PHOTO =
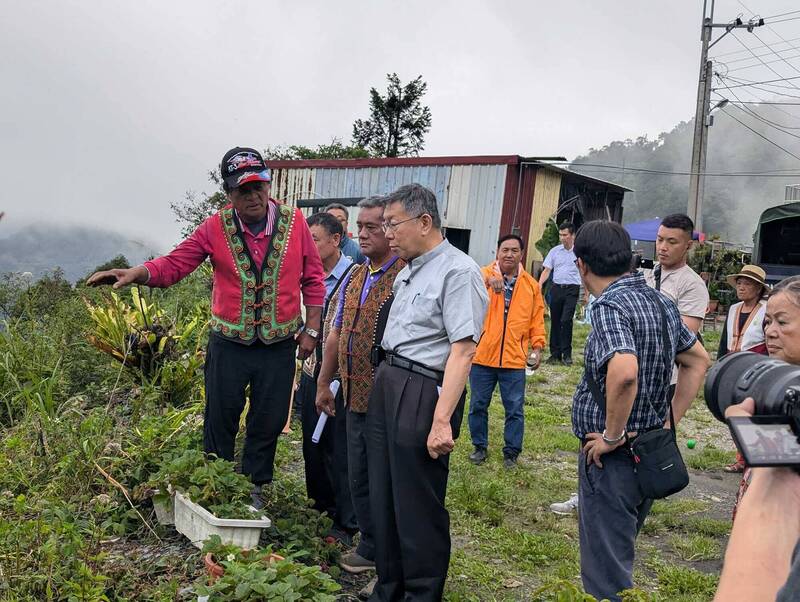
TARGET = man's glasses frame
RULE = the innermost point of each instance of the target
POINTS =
(394, 225)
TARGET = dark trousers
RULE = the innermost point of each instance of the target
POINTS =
(610, 515)
(482, 381)
(359, 481)
(562, 311)
(407, 487)
(229, 369)
(326, 461)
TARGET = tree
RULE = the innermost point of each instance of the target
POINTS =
(194, 209)
(335, 150)
(398, 121)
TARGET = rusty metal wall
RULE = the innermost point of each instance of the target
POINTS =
(545, 204)
(469, 196)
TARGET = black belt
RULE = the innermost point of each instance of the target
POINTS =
(565, 285)
(399, 361)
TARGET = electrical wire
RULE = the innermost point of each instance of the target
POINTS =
(777, 126)
(745, 67)
(761, 60)
(791, 12)
(768, 81)
(762, 102)
(772, 173)
(784, 20)
(732, 52)
(760, 135)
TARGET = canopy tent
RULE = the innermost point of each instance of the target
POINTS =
(776, 246)
(647, 230)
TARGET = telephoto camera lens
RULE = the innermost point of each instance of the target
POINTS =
(774, 384)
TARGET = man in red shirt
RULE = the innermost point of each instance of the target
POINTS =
(263, 257)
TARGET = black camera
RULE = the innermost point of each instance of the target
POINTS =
(772, 436)
(640, 263)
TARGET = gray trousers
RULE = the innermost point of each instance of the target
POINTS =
(359, 481)
(610, 514)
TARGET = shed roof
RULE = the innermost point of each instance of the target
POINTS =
(447, 160)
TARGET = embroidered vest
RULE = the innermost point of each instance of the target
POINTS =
(258, 314)
(313, 363)
(362, 327)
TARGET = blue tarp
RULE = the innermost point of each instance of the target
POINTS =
(646, 230)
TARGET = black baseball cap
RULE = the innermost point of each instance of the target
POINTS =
(241, 165)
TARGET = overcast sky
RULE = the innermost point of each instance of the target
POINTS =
(109, 111)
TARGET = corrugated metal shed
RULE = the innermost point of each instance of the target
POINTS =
(479, 197)
(545, 205)
(470, 196)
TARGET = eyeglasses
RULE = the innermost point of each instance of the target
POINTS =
(393, 225)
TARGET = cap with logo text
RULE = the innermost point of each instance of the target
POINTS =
(242, 165)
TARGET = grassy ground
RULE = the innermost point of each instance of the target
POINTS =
(507, 544)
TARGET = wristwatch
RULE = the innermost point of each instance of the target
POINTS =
(314, 334)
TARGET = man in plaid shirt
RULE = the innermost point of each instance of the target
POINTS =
(624, 356)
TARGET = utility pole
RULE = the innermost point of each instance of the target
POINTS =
(702, 117)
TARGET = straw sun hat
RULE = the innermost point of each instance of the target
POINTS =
(752, 272)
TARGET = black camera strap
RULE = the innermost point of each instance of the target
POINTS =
(599, 396)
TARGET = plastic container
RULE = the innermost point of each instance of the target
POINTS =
(198, 524)
(165, 508)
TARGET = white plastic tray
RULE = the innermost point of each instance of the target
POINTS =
(198, 524)
(165, 509)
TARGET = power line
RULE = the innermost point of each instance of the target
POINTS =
(760, 59)
(763, 102)
(770, 48)
(791, 12)
(734, 70)
(773, 124)
(740, 80)
(768, 122)
(784, 20)
(749, 58)
(773, 92)
(743, 51)
(760, 135)
(772, 173)
(768, 81)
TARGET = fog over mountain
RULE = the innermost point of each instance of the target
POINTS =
(41, 247)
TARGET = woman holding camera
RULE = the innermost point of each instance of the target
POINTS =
(767, 526)
(744, 326)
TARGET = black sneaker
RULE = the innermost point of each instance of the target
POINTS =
(567, 361)
(510, 461)
(553, 360)
(257, 501)
(355, 563)
(478, 457)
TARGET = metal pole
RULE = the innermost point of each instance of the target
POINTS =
(695, 205)
(701, 177)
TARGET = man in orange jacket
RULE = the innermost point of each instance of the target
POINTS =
(513, 336)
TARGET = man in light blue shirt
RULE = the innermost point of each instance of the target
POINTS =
(560, 262)
(347, 245)
(326, 462)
